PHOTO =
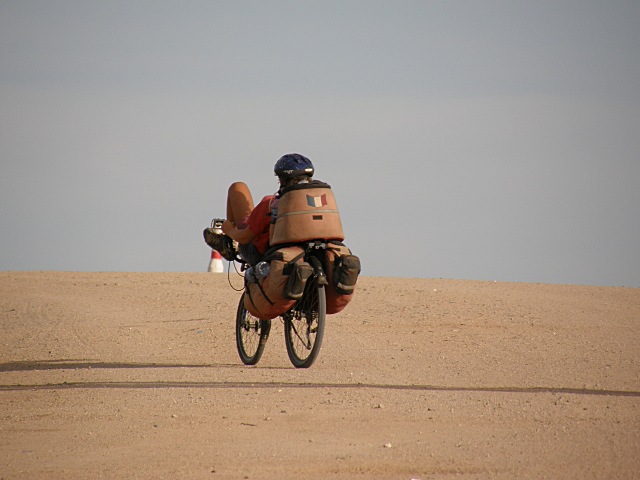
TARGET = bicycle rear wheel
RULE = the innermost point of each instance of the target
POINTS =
(304, 325)
(251, 335)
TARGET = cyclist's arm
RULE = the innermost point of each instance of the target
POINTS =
(240, 235)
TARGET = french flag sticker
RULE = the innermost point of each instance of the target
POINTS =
(320, 201)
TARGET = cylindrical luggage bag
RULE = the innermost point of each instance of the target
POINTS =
(266, 299)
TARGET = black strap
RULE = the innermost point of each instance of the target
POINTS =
(304, 186)
(263, 293)
(287, 270)
(272, 252)
(251, 300)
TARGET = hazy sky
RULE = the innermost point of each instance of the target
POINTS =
(488, 140)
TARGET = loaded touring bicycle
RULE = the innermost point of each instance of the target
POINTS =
(307, 274)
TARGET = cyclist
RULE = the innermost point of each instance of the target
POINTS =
(248, 225)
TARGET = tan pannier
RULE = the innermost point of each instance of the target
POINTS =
(307, 211)
(268, 298)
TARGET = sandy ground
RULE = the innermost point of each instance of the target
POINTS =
(136, 376)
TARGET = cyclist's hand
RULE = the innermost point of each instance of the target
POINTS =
(228, 226)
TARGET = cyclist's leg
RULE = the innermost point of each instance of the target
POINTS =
(250, 253)
(239, 202)
(239, 206)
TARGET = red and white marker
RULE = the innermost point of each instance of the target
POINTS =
(215, 264)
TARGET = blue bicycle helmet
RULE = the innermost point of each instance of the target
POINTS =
(293, 165)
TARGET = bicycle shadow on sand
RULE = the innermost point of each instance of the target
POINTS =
(79, 364)
(72, 364)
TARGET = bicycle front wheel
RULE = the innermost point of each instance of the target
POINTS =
(304, 325)
(251, 335)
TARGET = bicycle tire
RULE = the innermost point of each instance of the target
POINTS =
(304, 325)
(251, 335)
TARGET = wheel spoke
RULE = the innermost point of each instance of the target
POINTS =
(304, 326)
(251, 335)
(306, 342)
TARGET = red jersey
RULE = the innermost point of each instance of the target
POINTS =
(258, 222)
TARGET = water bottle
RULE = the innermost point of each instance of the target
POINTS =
(261, 270)
(249, 275)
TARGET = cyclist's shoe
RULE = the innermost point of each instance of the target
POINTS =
(220, 242)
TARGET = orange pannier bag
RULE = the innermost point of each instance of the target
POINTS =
(342, 269)
(267, 298)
